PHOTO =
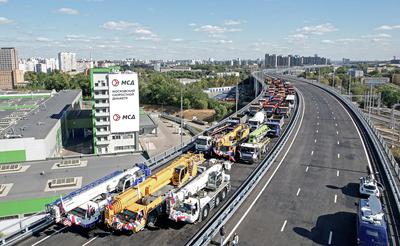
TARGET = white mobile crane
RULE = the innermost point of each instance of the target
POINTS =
(84, 207)
(194, 201)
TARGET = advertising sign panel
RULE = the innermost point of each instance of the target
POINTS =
(124, 102)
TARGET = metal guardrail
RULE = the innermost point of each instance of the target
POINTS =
(26, 230)
(211, 228)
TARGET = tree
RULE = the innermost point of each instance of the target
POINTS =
(390, 95)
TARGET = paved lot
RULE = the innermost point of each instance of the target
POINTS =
(167, 137)
(31, 184)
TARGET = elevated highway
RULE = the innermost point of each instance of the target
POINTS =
(310, 196)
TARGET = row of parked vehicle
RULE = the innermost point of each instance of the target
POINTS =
(187, 188)
(247, 135)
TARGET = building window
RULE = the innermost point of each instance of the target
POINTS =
(127, 136)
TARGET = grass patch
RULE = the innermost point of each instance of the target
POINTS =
(24, 206)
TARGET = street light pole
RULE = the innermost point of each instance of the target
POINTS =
(393, 123)
(181, 131)
(237, 92)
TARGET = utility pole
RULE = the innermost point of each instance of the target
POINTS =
(237, 92)
(181, 131)
(349, 85)
(333, 79)
(319, 75)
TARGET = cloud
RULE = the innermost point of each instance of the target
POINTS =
(327, 41)
(210, 29)
(148, 38)
(177, 40)
(317, 30)
(296, 37)
(387, 27)
(43, 39)
(4, 21)
(233, 22)
(80, 38)
(3, 1)
(68, 11)
(119, 25)
(143, 31)
(379, 35)
(223, 41)
(192, 24)
(347, 40)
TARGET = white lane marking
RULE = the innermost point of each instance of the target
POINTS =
(330, 238)
(332, 112)
(283, 226)
(337, 173)
(315, 140)
(317, 112)
(316, 131)
(312, 152)
(338, 142)
(317, 117)
(91, 240)
(359, 135)
(45, 238)
(338, 156)
(307, 168)
(335, 124)
(317, 123)
(272, 175)
(334, 118)
(298, 192)
(335, 200)
(337, 133)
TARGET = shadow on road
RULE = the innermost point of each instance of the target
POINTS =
(341, 224)
(351, 189)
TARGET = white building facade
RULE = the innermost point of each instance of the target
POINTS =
(115, 110)
(67, 61)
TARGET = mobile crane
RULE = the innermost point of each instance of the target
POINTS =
(193, 202)
(256, 146)
(84, 207)
(226, 145)
(141, 205)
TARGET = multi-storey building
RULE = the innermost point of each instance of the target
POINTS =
(115, 110)
(10, 75)
(67, 61)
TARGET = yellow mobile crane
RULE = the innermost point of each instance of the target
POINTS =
(139, 206)
(226, 145)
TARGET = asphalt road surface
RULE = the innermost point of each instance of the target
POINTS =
(311, 198)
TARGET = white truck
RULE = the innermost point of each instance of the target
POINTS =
(193, 202)
(84, 207)
(256, 146)
(257, 120)
(204, 143)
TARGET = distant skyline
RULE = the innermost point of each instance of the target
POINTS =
(156, 29)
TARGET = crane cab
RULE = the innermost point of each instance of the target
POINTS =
(182, 174)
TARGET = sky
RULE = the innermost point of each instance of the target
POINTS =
(202, 29)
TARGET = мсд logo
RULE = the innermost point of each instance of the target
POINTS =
(115, 82)
(116, 117)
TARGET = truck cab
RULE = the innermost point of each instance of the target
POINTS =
(369, 186)
(130, 180)
(249, 152)
(203, 144)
